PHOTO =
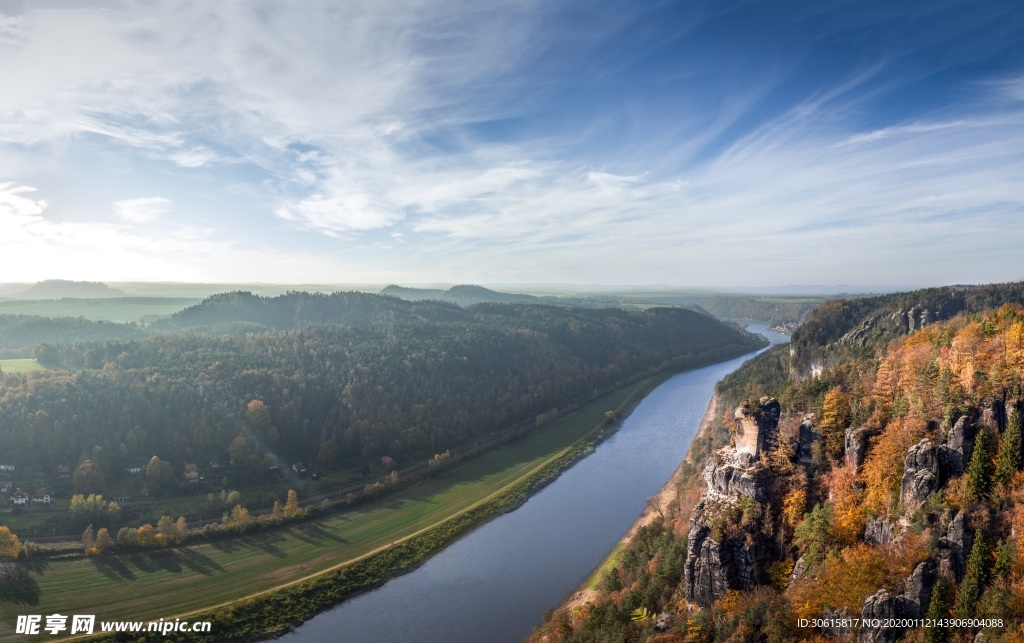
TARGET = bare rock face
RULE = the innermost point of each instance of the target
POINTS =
(799, 570)
(732, 473)
(878, 531)
(959, 445)
(920, 475)
(993, 415)
(837, 618)
(954, 548)
(715, 561)
(807, 437)
(911, 604)
(856, 444)
(714, 567)
(917, 592)
(757, 429)
(882, 606)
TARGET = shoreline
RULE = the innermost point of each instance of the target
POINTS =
(668, 495)
(331, 587)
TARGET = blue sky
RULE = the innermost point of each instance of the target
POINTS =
(684, 143)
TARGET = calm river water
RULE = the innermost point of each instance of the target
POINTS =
(495, 583)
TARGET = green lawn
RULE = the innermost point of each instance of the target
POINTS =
(19, 365)
(167, 583)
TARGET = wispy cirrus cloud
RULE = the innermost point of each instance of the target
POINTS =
(457, 139)
(144, 210)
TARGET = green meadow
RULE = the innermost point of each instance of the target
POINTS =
(19, 365)
(148, 585)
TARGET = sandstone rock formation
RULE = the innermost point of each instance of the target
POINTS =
(878, 531)
(856, 445)
(954, 548)
(757, 429)
(716, 561)
(920, 475)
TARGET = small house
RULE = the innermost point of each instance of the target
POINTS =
(215, 463)
(299, 467)
(63, 472)
(19, 498)
(42, 497)
(387, 461)
(192, 472)
(122, 499)
(135, 469)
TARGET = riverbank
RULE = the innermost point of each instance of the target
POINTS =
(242, 585)
(276, 612)
(676, 497)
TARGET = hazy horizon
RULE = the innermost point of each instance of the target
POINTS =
(714, 145)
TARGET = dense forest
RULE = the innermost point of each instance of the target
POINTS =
(335, 380)
(895, 489)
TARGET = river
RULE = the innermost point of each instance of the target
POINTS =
(495, 583)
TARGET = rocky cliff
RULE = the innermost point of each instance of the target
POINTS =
(726, 547)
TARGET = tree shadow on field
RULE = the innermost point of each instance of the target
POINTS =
(112, 567)
(267, 542)
(174, 561)
(199, 563)
(226, 545)
(314, 534)
(17, 585)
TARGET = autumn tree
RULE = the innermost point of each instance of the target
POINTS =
(159, 474)
(146, 536)
(835, 418)
(103, 541)
(182, 528)
(87, 478)
(10, 546)
(292, 510)
(258, 416)
(167, 529)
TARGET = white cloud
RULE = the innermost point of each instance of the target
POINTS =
(15, 201)
(144, 210)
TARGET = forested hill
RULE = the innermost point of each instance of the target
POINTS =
(842, 329)
(467, 295)
(403, 384)
(244, 311)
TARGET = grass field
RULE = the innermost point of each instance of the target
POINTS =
(19, 365)
(150, 585)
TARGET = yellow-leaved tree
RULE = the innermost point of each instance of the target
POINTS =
(10, 546)
(835, 418)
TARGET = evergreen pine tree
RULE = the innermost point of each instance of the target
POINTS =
(975, 578)
(938, 607)
(1011, 450)
(979, 471)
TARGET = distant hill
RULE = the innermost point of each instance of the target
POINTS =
(465, 295)
(62, 288)
(235, 312)
(843, 329)
(414, 294)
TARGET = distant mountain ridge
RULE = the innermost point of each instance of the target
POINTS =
(463, 295)
(63, 288)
